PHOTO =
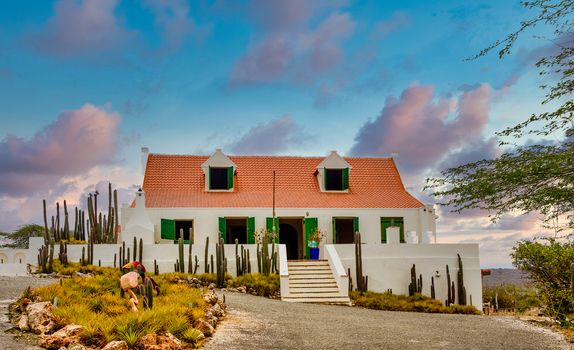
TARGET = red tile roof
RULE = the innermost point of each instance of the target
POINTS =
(178, 181)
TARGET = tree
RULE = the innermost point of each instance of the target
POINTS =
(20, 237)
(527, 178)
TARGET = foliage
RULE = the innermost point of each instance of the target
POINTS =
(265, 235)
(548, 263)
(317, 236)
(415, 303)
(20, 237)
(511, 296)
(535, 177)
(263, 285)
(96, 304)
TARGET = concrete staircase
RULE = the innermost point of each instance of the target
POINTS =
(311, 281)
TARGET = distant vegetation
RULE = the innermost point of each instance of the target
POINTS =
(20, 237)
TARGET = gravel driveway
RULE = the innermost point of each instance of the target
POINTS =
(260, 323)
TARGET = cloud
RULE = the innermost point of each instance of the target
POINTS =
(272, 137)
(172, 18)
(290, 47)
(80, 28)
(472, 152)
(423, 129)
(383, 28)
(77, 141)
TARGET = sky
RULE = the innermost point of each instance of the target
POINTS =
(84, 84)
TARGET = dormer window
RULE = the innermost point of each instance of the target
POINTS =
(336, 179)
(220, 178)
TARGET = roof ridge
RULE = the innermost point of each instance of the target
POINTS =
(269, 156)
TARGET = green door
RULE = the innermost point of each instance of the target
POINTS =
(251, 230)
(168, 229)
(269, 226)
(310, 226)
(223, 229)
(389, 222)
(356, 224)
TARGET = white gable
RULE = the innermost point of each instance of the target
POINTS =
(218, 160)
(334, 161)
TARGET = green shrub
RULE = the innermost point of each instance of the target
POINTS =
(512, 296)
(415, 303)
(263, 285)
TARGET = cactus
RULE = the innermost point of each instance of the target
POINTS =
(176, 266)
(432, 290)
(350, 280)
(189, 256)
(46, 232)
(129, 256)
(206, 254)
(125, 259)
(460, 283)
(140, 251)
(135, 248)
(115, 257)
(148, 300)
(450, 295)
(211, 266)
(63, 254)
(155, 268)
(248, 263)
(121, 258)
(83, 261)
(221, 263)
(196, 265)
(361, 280)
(66, 224)
(180, 246)
(413, 286)
(259, 269)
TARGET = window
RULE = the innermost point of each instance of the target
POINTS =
(242, 229)
(336, 179)
(220, 178)
(171, 229)
(387, 222)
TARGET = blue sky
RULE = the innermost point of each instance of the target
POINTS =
(90, 82)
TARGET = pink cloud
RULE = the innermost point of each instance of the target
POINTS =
(80, 28)
(423, 129)
(286, 132)
(77, 141)
(291, 47)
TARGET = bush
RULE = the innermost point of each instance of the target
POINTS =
(415, 303)
(511, 296)
(263, 285)
(548, 263)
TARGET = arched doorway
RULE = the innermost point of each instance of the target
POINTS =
(290, 237)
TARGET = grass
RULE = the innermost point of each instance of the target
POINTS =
(416, 303)
(96, 304)
(263, 285)
(513, 297)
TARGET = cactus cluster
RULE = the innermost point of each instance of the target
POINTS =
(46, 257)
(460, 283)
(146, 291)
(242, 262)
(267, 261)
(362, 281)
(63, 254)
(416, 285)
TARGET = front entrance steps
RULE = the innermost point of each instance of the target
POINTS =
(311, 281)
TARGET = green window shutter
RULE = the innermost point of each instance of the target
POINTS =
(230, 177)
(346, 178)
(223, 229)
(251, 230)
(356, 224)
(385, 223)
(388, 222)
(269, 226)
(310, 226)
(400, 223)
(325, 179)
(334, 231)
(209, 177)
(167, 229)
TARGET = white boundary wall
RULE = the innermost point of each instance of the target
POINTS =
(13, 262)
(388, 267)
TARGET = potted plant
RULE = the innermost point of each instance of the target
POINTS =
(315, 239)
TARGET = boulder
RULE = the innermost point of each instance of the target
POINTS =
(78, 346)
(242, 289)
(148, 339)
(210, 298)
(23, 323)
(62, 338)
(40, 317)
(217, 311)
(116, 345)
(211, 286)
(204, 327)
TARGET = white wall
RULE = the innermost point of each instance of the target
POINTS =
(388, 267)
(13, 262)
(206, 219)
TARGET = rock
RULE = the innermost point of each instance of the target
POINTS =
(204, 327)
(166, 342)
(23, 323)
(211, 286)
(40, 317)
(116, 345)
(242, 289)
(217, 311)
(64, 337)
(210, 298)
(148, 339)
(174, 340)
(78, 346)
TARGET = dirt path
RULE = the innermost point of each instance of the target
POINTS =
(255, 322)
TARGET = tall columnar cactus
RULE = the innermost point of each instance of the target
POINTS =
(115, 258)
(180, 246)
(135, 247)
(432, 290)
(450, 294)
(155, 268)
(66, 234)
(206, 262)
(84, 262)
(361, 280)
(259, 267)
(211, 266)
(148, 299)
(46, 232)
(196, 265)
(460, 283)
(124, 256)
(63, 254)
(140, 251)
(120, 258)
(221, 263)
(238, 271)
(189, 258)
